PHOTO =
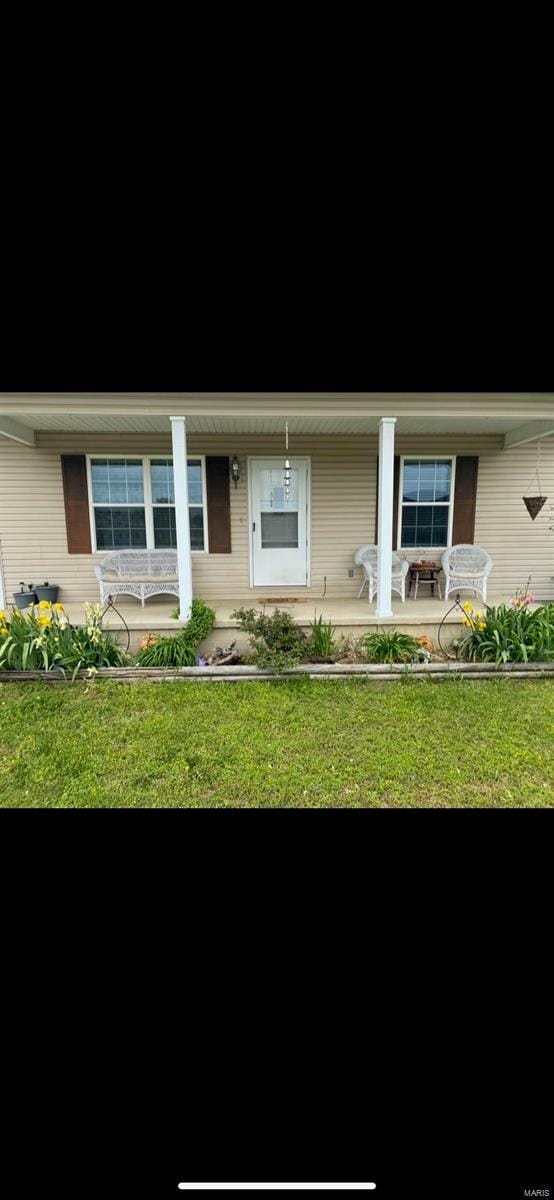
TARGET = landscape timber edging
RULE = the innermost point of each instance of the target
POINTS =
(234, 674)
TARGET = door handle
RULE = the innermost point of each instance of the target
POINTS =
(253, 527)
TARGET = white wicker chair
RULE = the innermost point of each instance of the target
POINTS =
(466, 568)
(358, 560)
(140, 573)
(367, 557)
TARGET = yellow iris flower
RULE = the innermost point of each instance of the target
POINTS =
(475, 620)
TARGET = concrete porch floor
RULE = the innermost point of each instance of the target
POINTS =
(350, 616)
(353, 611)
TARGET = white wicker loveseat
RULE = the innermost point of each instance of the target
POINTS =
(140, 573)
(466, 569)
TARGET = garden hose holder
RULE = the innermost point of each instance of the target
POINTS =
(457, 604)
(110, 605)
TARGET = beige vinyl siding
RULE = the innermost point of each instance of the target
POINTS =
(343, 480)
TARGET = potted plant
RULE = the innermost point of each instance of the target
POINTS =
(48, 591)
(24, 598)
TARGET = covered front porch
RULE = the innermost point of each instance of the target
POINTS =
(353, 453)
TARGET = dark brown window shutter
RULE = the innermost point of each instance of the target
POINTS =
(465, 495)
(77, 512)
(219, 504)
(396, 490)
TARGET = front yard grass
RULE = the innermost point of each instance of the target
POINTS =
(298, 743)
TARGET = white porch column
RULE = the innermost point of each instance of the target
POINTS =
(384, 527)
(180, 476)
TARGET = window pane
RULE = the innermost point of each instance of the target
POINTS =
(120, 528)
(133, 470)
(194, 476)
(411, 481)
(272, 490)
(279, 530)
(135, 493)
(439, 532)
(118, 493)
(165, 536)
(165, 533)
(120, 518)
(117, 481)
(116, 469)
(101, 492)
(408, 536)
(163, 490)
(425, 525)
(426, 480)
(443, 480)
(99, 468)
(196, 528)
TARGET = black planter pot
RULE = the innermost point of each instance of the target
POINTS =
(24, 599)
(49, 593)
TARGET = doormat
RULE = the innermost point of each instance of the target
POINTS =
(284, 600)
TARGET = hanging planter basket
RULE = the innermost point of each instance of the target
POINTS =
(534, 504)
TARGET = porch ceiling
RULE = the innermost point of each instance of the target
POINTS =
(72, 422)
(519, 417)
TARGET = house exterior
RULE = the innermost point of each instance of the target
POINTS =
(83, 474)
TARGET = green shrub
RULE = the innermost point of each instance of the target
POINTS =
(322, 638)
(166, 652)
(200, 623)
(509, 634)
(276, 640)
(392, 647)
(180, 650)
(41, 638)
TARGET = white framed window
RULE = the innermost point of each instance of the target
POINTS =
(426, 502)
(132, 502)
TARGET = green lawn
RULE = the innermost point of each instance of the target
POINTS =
(324, 744)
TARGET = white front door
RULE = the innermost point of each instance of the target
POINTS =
(279, 526)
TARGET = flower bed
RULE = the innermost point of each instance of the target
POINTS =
(40, 642)
(512, 633)
(41, 637)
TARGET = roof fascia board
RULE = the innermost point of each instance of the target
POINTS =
(528, 406)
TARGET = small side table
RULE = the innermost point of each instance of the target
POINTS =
(424, 574)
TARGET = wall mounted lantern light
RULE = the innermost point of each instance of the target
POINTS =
(235, 470)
